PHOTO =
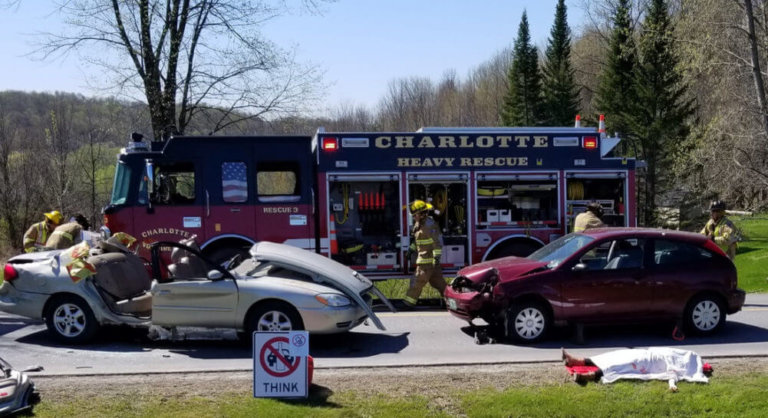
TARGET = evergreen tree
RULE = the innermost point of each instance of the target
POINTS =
(659, 116)
(561, 97)
(615, 91)
(522, 104)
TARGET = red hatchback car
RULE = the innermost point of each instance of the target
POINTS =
(602, 276)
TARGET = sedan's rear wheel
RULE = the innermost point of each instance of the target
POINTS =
(71, 320)
(274, 316)
(705, 315)
(527, 322)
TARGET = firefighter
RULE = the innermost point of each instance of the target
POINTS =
(37, 234)
(428, 245)
(68, 234)
(589, 219)
(721, 230)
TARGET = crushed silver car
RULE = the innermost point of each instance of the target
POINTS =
(277, 288)
(17, 392)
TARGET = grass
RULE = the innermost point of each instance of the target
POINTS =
(742, 396)
(752, 256)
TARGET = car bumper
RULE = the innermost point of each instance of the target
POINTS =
(736, 300)
(465, 305)
(25, 304)
(329, 320)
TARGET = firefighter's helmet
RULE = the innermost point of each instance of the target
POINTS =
(717, 205)
(595, 208)
(419, 206)
(54, 216)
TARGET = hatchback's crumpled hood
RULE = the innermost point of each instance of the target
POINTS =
(509, 268)
(352, 283)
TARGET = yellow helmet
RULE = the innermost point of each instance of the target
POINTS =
(420, 206)
(54, 216)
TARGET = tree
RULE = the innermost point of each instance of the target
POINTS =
(615, 91)
(659, 116)
(561, 96)
(522, 104)
(189, 58)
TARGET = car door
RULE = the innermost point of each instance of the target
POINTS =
(607, 284)
(192, 299)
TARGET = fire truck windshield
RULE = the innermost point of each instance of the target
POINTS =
(122, 184)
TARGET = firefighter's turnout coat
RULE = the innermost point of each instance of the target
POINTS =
(586, 220)
(36, 236)
(65, 236)
(726, 235)
(428, 243)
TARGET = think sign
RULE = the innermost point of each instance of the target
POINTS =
(280, 364)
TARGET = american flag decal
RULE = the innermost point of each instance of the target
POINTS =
(234, 183)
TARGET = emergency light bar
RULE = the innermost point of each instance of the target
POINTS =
(330, 144)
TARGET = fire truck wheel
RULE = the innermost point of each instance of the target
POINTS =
(69, 319)
(273, 316)
(223, 255)
(519, 249)
(527, 322)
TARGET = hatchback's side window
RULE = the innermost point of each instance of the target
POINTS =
(626, 254)
(670, 253)
(234, 182)
(597, 257)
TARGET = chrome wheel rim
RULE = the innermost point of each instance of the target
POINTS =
(529, 323)
(706, 315)
(274, 321)
(69, 320)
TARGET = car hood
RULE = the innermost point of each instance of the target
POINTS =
(507, 268)
(325, 270)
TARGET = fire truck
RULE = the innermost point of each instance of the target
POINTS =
(495, 191)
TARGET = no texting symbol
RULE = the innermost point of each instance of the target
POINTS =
(277, 361)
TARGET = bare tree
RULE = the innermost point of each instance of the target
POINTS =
(189, 58)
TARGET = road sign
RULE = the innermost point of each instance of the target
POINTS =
(280, 364)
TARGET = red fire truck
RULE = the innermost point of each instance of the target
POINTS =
(496, 191)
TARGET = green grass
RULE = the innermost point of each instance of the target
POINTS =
(742, 396)
(752, 256)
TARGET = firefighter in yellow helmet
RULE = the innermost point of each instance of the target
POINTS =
(428, 245)
(589, 219)
(68, 234)
(38, 234)
(721, 230)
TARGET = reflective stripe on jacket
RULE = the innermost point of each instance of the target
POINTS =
(36, 236)
(429, 242)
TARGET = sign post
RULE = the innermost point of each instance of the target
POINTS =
(280, 364)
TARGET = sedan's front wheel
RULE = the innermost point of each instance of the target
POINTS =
(527, 322)
(274, 316)
(71, 320)
(704, 315)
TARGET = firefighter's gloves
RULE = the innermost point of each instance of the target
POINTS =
(437, 260)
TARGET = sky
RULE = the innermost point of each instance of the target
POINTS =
(360, 45)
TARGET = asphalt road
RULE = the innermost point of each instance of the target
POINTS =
(428, 337)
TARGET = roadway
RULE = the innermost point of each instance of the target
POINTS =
(428, 337)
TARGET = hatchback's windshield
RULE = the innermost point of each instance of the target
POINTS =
(560, 249)
(121, 185)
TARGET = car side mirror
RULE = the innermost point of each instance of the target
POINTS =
(215, 275)
(579, 267)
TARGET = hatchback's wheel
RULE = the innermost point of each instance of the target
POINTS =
(527, 322)
(704, 315)
(274, 316)
(71, 320)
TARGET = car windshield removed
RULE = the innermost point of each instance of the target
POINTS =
(560, 249)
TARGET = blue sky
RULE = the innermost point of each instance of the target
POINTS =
(361, 45)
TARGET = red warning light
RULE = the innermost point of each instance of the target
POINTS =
(330, 144)
(590, 142)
